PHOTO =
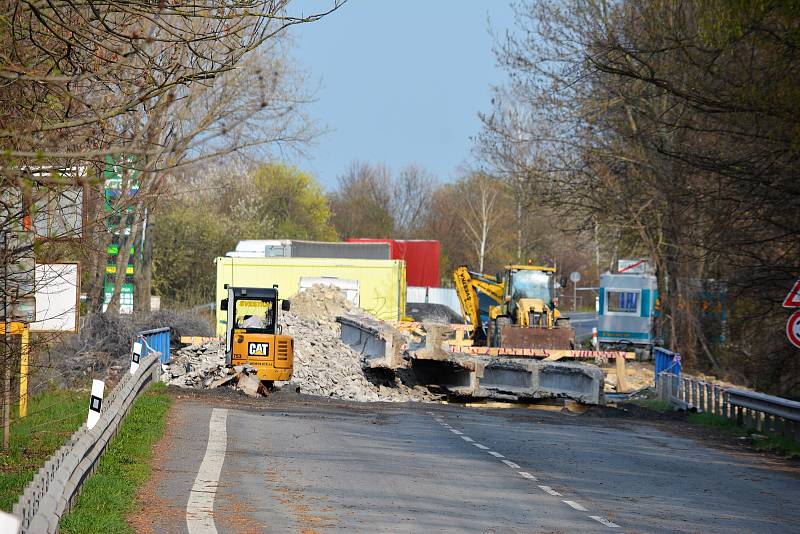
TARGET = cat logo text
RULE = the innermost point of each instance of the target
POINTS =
(258, 349)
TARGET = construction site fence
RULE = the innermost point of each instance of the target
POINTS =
(751, 410)
(55, 488)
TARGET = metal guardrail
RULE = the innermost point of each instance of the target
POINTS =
(55, 487)
(765, 404)
(749, 409)
(156, 340)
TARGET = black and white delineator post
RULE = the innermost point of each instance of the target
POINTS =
(136, 355)
(95, 402)
(9, 523)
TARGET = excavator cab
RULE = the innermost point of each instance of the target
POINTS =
(253, 335)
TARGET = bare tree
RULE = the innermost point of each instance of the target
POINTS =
(666, 124)
(482, 198)
(411, 200)
(362, 203)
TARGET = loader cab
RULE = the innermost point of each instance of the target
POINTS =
(532, 285)
(253, 333)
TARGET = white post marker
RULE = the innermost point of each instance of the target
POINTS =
(594, 337)
(136, 355)
(9, 523)
(95, 402)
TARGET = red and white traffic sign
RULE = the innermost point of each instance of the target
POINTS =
(792, 300)
(793, 329)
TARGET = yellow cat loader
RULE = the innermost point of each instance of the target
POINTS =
(253, 335)
(526, 312)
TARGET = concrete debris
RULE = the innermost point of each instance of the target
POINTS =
(321, 303)
(325, 366)
(203, 367)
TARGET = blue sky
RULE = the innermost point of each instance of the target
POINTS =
(400, 82)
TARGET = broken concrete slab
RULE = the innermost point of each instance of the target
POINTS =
(475, 375)
(379, 344)
(249, 384)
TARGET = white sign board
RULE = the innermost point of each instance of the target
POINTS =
(57, 297)
(634, 266)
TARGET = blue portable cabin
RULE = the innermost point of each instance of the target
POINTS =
(627, 308)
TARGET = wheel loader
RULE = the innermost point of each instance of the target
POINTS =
(525, 311)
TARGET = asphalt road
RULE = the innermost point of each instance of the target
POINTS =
(295, 464)
(582, 322)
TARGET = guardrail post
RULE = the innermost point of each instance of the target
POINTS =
(701, 396)
(726, 405)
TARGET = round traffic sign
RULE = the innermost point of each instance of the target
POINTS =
(575, 276)
(793, 329)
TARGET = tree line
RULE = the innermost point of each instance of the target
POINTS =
(475, 218)
(672, 128)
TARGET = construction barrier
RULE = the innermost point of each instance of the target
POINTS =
(666, 362)
(156, 340)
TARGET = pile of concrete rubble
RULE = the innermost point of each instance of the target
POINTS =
(323, 365)
(203, 367)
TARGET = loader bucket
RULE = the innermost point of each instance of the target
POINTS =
(537, 337)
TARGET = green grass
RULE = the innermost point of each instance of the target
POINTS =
(52, 418)
(777, 444)
(109, 495)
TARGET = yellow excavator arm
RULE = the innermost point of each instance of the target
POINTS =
(466, 283)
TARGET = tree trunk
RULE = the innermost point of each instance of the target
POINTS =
(143, 266)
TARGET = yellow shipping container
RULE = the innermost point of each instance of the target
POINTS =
(382, 283)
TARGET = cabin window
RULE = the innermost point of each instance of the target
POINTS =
(621, 301)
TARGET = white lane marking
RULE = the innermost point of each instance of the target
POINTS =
(200, 508)
(577, 506)
(604, 521)
(551, 491)
(524, 474)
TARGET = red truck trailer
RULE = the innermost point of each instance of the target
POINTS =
(421, 257)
